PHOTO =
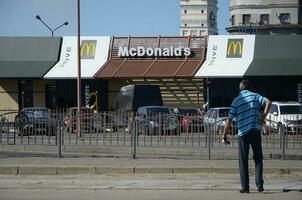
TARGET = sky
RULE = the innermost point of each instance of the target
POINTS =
(98, 17)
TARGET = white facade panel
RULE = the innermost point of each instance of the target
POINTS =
(94, 54)
(225, 59)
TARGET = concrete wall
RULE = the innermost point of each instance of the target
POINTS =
(9, 95)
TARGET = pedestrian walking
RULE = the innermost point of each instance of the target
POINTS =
(245, 110)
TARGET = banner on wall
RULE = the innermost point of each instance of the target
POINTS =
(228, 56)
(91, 98)
(94, 54)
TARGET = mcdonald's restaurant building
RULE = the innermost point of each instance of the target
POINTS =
(42, 71)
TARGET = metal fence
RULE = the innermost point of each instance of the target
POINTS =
(157, 135)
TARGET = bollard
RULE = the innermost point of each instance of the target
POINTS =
(59, 139)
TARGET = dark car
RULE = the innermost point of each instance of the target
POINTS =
(153, 120)
(35, 120)
(191, 120)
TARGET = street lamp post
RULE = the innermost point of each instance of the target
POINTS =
(51, 30)
(79, 70)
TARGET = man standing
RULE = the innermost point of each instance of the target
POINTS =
(245, 110)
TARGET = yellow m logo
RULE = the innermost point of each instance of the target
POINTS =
(235, 47)
(88, 49)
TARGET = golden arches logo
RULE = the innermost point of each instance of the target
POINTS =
(235, 48)
(88, 49)
(93, 106)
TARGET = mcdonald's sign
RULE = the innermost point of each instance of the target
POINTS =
(88, 49)
(234, 48)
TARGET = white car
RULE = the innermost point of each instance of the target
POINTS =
(288, 114)
(215, 118)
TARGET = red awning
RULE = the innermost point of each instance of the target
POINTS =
(154, 67)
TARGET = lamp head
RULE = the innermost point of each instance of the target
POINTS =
(38, 17)
(66, 23)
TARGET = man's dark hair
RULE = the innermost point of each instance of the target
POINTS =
(244, 85)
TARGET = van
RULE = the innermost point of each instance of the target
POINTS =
(131, 97)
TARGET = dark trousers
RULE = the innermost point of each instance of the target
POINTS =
(252, 138)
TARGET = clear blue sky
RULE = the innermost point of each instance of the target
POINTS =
(98, 17)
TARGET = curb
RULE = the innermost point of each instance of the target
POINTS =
(38, 170)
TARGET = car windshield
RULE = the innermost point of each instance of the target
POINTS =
(224, 112)
(188, 111)
(158, 110)
(287, 110)
(39, 113)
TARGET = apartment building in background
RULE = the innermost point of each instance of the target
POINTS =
(198, 17)
(265, 17)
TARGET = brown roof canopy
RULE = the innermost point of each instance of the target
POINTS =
(154, 67)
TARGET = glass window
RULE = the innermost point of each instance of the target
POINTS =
(224, 112)
(246, 19)
(273, 109)
(213, 114)
(284, 18)
(233, 20)
(287, 110)
(202, 11)
(185, 32)
(185, 11)
(194, 32)
(264, 19)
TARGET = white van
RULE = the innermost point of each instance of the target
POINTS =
(287, 113)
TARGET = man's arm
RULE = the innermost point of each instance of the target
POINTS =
(226, 128)
(266, 110)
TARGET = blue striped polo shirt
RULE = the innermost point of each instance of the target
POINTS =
(245, 108)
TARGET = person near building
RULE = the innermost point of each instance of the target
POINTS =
(245, 110)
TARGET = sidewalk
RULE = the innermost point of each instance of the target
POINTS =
(106, 166)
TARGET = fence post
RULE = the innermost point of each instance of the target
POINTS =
(209, 142)
(133, 137)
(59, 138)
(283, 141)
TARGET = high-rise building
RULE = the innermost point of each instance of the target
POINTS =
(265, 17)
(198, 17)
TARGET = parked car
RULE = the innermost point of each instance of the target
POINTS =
(35, 120)
(215, 119)
(288, 114)
(190, 119)
(4, 124)
(90, 121)
(155, 120)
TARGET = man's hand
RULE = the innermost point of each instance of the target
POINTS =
(225, 140)
(224, 133)
(262, 117)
